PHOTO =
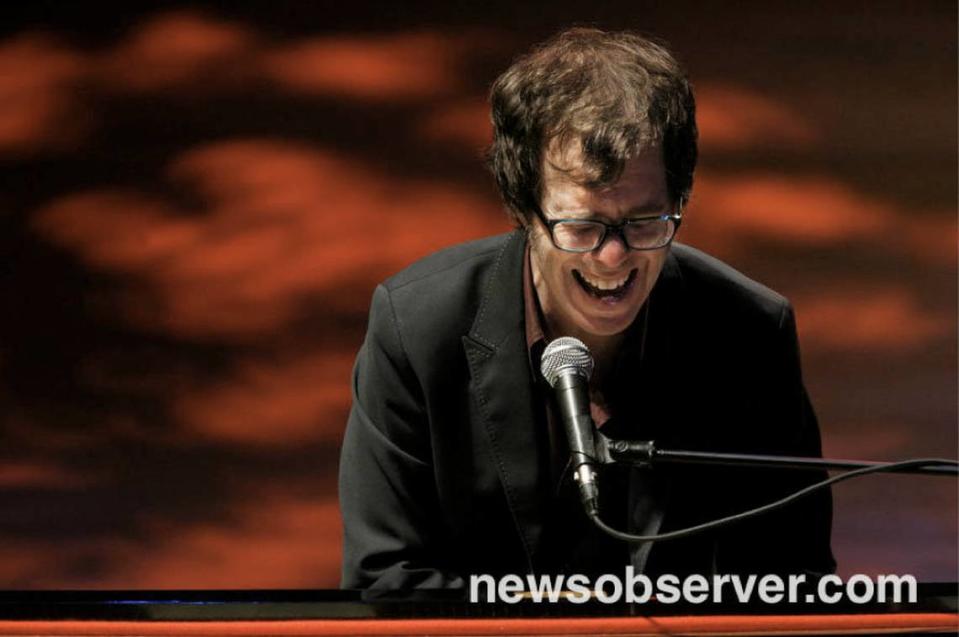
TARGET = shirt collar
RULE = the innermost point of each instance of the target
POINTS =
(535, 335)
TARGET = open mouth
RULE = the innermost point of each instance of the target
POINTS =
(605, 289)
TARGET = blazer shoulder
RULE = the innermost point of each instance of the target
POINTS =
(449, 263)
(435, 300)
(724, 287)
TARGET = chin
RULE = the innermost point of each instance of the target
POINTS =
(607, 326)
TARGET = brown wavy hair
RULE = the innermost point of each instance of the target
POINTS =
(616, 94)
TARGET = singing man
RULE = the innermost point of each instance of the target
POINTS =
(454, 462)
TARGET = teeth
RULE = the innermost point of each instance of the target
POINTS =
(606, 285)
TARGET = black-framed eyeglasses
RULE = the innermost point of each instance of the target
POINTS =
(582, 235)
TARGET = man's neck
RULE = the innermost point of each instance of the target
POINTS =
(602, 348)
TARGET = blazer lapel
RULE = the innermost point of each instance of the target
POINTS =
(502, 390)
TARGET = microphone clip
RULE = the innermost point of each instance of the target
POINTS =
(636, 452)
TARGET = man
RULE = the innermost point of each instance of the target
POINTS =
(453, 463)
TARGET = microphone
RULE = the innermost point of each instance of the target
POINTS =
(566, 366)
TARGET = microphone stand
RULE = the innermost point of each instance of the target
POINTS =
(645, 453)
(610, 451)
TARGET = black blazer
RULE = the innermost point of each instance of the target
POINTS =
(442, 468)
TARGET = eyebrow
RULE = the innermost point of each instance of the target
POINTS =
(648, 209)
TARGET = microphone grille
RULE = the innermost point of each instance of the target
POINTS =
(566, 353)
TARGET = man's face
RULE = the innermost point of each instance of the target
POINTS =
(567, 283)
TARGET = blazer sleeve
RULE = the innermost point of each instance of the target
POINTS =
(813, 517)
(794, 539)
(392, 525)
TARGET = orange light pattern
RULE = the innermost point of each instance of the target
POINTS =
(282, 222)
(884, 440)
(200, 318)
(887, 320)
(269, 541)
(281, 403)
(41, 474)
(802, 210)
(38, 106)
(465, 123)
(174, 50)
(404, 66)
(733, 118)
(726, 213)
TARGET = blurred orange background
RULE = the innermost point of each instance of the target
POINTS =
(198, 200)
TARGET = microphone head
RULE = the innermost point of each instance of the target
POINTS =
(566, 354)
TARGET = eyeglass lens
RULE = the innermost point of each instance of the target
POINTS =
(586, 235)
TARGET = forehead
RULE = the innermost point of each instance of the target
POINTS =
(642, 184)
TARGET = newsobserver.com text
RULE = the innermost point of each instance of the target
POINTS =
(636, 588)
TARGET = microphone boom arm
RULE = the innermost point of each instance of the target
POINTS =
(644, 453)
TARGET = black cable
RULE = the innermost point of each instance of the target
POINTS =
(905, 464)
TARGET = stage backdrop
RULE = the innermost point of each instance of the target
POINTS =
(198, 200)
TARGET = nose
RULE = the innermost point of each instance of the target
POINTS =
(613, 251)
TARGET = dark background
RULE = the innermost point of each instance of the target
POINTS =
(196, 201)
